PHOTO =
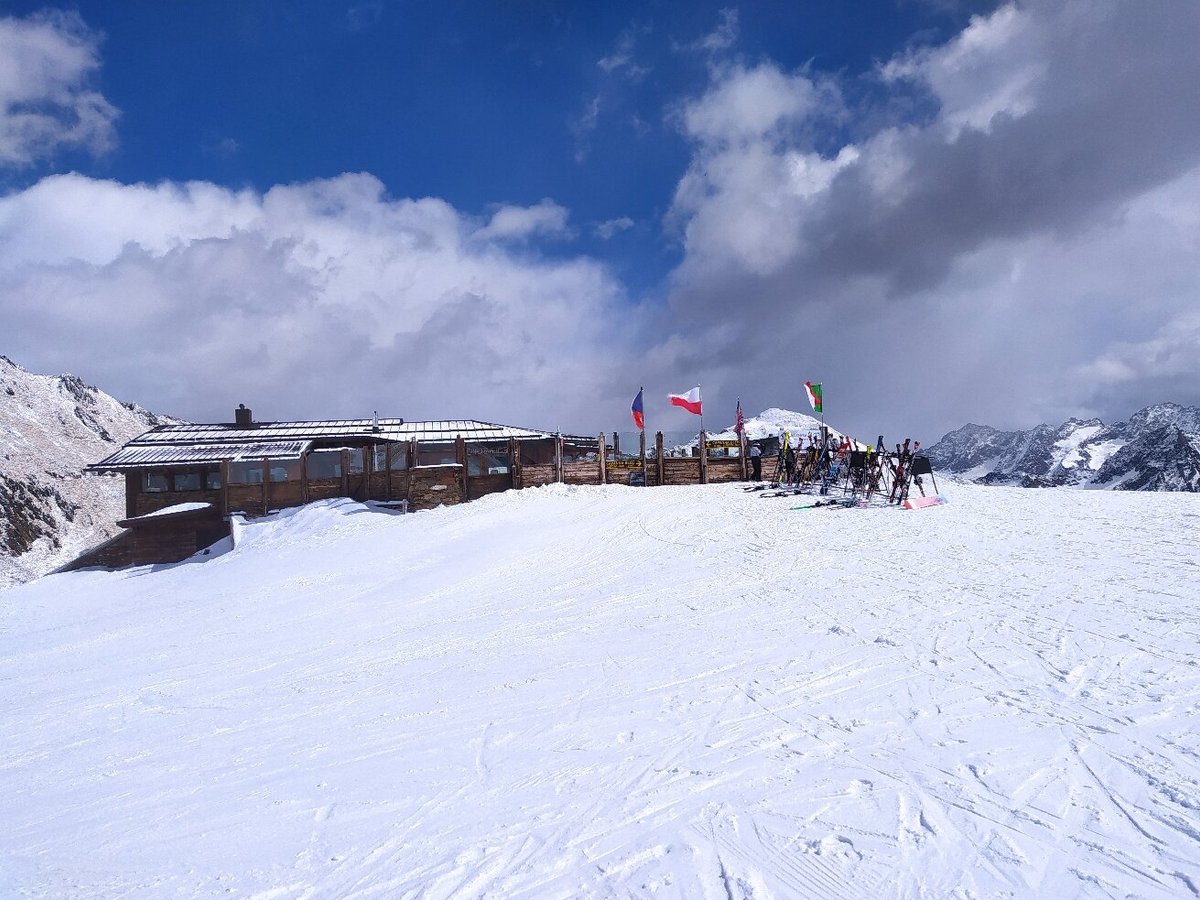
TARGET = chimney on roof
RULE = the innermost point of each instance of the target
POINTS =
(242, 417)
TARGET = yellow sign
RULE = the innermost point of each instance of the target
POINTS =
(623, 463)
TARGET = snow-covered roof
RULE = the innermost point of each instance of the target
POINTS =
(135, 455)
(184, 444)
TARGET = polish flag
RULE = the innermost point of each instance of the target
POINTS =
(689, 401)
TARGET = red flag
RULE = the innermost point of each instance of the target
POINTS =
(689, 401)
(740, 424)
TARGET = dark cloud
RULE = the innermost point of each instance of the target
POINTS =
(896, 275)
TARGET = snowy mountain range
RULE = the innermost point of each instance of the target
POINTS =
(50, 428)
(1158, 449)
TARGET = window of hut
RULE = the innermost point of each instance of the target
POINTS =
(573, 452)
(354, 461)
(285, 470)
(156, 483)
(212, 481)
(245, 473)
(437, 456)
(399, 457)
(487, 461)
(187, 481)
(324, 464)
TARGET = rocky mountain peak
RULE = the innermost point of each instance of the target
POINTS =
(50, 428)
(1158, 449)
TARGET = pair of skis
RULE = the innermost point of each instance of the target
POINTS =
(832, 503)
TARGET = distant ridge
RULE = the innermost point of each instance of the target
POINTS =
(1158, 449)
(50, 428)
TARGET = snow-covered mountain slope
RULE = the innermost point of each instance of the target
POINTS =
(1158, 449)
(620, 692)
(774, 422)
(50, 428)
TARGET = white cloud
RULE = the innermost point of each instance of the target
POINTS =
(514, 223)
(622, 60)
(320, 299)
(744, 195)
(584, 126)
(750, 104)
(46, 64)
(723, 36)
(994, 67)
(613, 227)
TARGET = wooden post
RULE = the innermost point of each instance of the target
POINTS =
(603, 459)
(616, 444)
(703, 458)
(742, 454)
(266, 488)
(413, 455)
(642, 454)
(388, 449)
(304, 477)
(225, 488)
(345, 455)
(460, 454)
(658, 450)
(558, 458)
(368, 469)
(514, 463)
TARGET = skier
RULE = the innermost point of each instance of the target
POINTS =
(756, 461)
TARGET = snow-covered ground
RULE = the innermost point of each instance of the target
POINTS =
(610, 691)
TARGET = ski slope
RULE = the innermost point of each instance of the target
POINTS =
(605, 691)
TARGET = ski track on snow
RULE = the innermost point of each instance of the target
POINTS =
(594, 692)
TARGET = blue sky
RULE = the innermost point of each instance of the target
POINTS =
(523, 211)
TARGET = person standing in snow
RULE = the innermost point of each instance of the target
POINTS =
(756, 461)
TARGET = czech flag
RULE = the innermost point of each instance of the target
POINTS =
(689, 401)
(638, 418)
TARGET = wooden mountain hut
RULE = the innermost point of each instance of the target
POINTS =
(183, 481)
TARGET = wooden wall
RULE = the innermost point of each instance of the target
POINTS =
(536, 475)
(436, 486)
(172, 541)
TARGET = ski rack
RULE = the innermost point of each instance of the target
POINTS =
(867, 477)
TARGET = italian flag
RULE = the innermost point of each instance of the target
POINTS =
(814, 395)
